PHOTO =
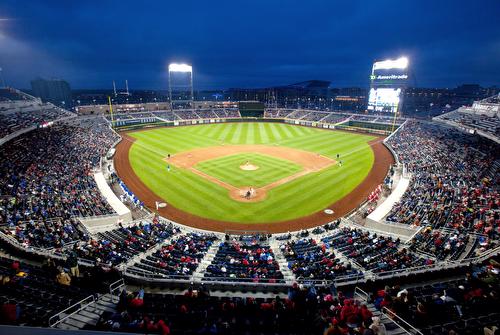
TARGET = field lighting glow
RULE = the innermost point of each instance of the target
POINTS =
(174, 67)
(400, 63)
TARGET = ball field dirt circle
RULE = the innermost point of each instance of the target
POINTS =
(249, 167)
(278, 188)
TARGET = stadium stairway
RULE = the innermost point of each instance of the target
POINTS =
(282, 262)
(469, 248)
(206, 261)
(89, 316)
(392, 327)
(143, 255)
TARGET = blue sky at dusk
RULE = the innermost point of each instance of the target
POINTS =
(247, 43)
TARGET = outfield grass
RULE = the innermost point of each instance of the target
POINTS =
(228, 170)
(302, 196)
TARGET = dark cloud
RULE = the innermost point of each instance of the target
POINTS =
(247, 43)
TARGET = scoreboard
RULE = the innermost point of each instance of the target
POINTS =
(387, 81)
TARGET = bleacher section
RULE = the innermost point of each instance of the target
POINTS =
(236, 261)
(482, 117)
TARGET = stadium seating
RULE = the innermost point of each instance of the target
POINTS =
(453, 178)
(309, 260)
(464, 306)
(236, 261)
(30, 295)
(24, 114)
(46, 173)
(119, 245)
(177, 258)
(373, 252)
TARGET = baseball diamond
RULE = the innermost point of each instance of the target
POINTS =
(301, 171)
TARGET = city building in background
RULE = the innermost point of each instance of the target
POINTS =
(57, 91)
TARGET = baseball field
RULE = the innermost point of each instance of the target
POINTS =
(247, 173)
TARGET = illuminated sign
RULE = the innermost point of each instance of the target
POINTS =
(400, 63)
(174, 67)
(390, 77)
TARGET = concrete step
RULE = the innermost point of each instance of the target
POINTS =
(66, 327)
(73, 321)
(89, 312)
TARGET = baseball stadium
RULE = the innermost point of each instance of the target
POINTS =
(283, 209)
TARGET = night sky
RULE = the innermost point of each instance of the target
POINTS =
(247, 43)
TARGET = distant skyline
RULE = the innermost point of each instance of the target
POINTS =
(247, 44)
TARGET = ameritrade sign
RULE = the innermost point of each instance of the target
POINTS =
(389, 77)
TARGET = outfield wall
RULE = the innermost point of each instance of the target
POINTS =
(364, 127)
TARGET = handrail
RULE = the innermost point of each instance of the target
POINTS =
(116, 286)
(158, 277)
(362, 294)
(390, 315)
(56, 319)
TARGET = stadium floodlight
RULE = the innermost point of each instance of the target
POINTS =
(174, 67)
(175, 87)
(400, 63)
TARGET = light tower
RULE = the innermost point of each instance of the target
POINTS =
(180, 84)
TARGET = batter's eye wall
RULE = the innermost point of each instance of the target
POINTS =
(251, 109)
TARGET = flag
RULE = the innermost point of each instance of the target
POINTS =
(160, 204)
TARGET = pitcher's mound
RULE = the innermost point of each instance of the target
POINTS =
(249, 167)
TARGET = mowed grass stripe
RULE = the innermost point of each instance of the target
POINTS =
(236, 133)
(256, 133)
(225, 132)
(286, 130)
(263, 133)
(274, 135)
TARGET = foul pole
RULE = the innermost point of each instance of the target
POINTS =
(111, 112)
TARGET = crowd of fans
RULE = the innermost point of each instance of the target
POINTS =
(442, 245)
(119, 245)
(235, 260)
(46, 233)
(372, 251)
(33, 114)
(47, 173)
(179, 258)
(461, 306)
(455, 179)
(30, 295)
(309, 259)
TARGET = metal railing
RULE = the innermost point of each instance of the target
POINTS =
(115, 287)
(144, 275)
(400, 322)
(71, 310)
(362, 295)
